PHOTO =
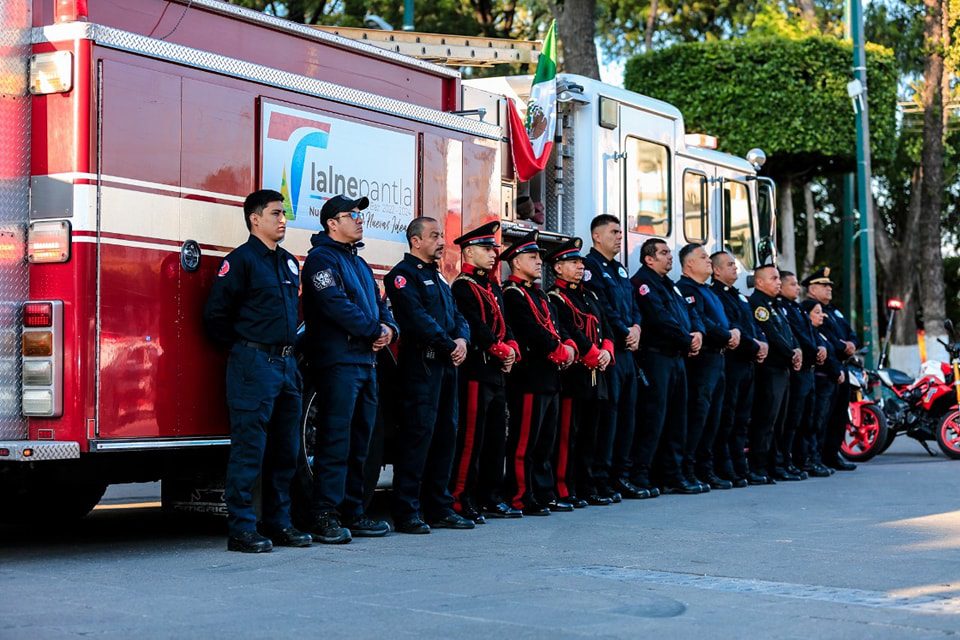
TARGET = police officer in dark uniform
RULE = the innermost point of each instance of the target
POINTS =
(772, 384)
(730, 461)
(705, 371)
(346, 323)
(481, 439)
(534, 383)
(435, 343)
(583, 387)
(668, 337)
(608, 279)
(828, 378)
(801, 382)
(836, 329)
(252, 308)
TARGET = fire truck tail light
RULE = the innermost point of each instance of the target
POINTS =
(38, 344)
(37, 402)
(37, 314)
(70, 10)
(37, 373)
(48, 241)
(51, 72)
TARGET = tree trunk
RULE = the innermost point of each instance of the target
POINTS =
(576, 30)
(810, 254)
(788, 239)
(932, 289)
(651, 26)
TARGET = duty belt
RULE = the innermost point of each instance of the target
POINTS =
(272, 349)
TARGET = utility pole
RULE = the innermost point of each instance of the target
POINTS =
(408, 15)
(868, 269)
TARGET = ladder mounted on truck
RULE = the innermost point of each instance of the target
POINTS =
(452, 51)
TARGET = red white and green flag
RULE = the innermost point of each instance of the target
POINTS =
(532, 139)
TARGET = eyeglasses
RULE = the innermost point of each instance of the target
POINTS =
(356, 216)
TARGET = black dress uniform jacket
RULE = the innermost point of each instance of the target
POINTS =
(609, 281)
(535, 327)
(580, 315)
(480, 300)
(769, 316)
(716, 330)
(836, 329)
(740, 316)
(424, 308)
(666, 316)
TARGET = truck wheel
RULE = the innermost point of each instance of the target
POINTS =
(863, 441)
(948, 434)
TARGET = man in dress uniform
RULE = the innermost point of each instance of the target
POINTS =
(705, 371)
(730, 461)
(772, 384)
(433, 346)
(582, 386)
(481, 439)
(608, 279)
(801, 382)
(534, 383)
(252, 309)
(668, 337)
(836, 329)
(346, 322)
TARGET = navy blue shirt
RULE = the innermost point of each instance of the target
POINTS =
(609, 281)
(740, 315)
(666, 315)
(769, 316)
(716, 327)
(254, 296)
(802, 329)
(836, 329)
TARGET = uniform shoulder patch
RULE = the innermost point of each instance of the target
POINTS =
(292, 265)
(622, 272)
(323, 279)
(643, 290)
(399, 282)
(762, 314)
(587, 275)
(690, 300)
(224, 269)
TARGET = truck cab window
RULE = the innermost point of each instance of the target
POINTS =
(738, 235)
(647, 187)
(694, 207)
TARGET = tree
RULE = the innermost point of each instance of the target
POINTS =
(576, 29)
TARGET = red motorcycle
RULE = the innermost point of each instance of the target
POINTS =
(924, 408)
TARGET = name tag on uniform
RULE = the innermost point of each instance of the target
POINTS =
(428, 282)
(677, 291)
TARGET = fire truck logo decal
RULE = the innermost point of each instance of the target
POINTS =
(399, 282)
(224, 269)
(282, 127)
(292, 265)
(644, 290)
(323, 279)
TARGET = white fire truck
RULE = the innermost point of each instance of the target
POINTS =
(134, 130)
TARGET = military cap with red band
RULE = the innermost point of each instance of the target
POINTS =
(484, 235)
(526, 244)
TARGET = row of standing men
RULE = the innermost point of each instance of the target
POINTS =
(517, 401)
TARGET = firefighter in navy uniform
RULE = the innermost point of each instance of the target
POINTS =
(668, 337)
(844, 340)
(790, 444)
(607, 278)
(534, 383)
(478, 465)
(252, 309)
(729, 459)
(772, 384)
(434, 344)
(705, 372)
(828, 378)
(583, 387)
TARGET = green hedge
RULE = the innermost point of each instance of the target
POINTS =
(786, 96)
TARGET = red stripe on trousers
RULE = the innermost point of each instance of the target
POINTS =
(566, 410)
(473, 389)
(519, 462)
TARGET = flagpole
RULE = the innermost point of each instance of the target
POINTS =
(558, 169)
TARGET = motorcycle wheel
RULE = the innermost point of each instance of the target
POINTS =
(948, 434)
(863, 441)
(891, 436)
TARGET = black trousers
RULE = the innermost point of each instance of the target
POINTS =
(426, 438)
(659, 442)
(791, 447)
(705, 383)
(836, 425)
(575, 456)
(481, 443)
(771, 395)
(729, 459)
(617, 420)
(530, 440)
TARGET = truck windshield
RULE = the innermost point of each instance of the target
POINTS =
(738, 235)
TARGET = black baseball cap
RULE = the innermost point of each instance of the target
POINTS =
(338, 204)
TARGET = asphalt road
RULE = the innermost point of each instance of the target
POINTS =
(869, 554)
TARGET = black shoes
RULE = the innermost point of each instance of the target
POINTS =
(782, 474)
(630, 491)
(413, 525)
(683, 487)
(817, 470)
(612, 493)
(452, 521)
(249, 542)
(596, 500)
(575, 502)
(560, 505)
(716, 482)
(364, 527)
(501, 510)
(739, 483)
(536, 510)
(288, 537)
(755, 478)
(328, 530)
(797, 472)
(840, 464)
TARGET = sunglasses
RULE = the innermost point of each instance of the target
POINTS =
(356, 216)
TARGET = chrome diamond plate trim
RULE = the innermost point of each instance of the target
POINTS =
(153, 48)
(15, 20)
(41, 450)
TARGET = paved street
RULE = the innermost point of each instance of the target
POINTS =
(872, 554)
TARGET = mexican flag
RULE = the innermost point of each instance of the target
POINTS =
(532, 139)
